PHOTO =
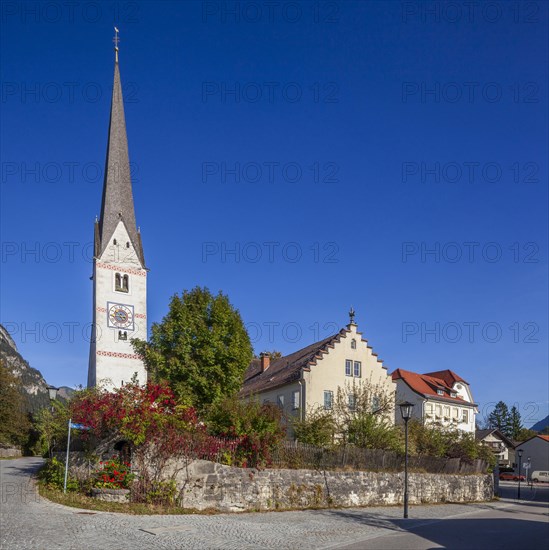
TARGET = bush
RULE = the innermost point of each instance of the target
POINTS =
(53, 475)
(370, 431)
(162, 493)
(317, 429)
(114, 474)
(257, 429)
(437, 441)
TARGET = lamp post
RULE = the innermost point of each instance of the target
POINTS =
(52, 390)
(406, 413)
(519, 452)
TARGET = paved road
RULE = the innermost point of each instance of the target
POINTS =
(29, 522)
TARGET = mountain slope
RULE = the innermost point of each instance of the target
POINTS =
(538, 426)
(33, 384)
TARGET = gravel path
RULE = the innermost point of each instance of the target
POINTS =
(27, 521)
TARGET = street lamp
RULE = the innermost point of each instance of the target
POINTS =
(52, 390)
(406, 413)
(519, 452)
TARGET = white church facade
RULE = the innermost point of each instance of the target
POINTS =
(119, 271)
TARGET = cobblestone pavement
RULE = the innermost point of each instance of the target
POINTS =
(27, 521)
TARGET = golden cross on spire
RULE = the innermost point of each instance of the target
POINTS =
(116, 40)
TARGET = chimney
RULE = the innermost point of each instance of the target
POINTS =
(265, 361)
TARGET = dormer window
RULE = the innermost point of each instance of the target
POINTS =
(440, 392)
(453, 394)
(353, 344)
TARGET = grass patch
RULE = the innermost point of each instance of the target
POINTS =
(77, 500)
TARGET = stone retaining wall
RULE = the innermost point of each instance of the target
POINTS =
(210, 485)
(8, 452)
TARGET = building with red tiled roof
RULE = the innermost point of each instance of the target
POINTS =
(439, 397)
(310, 377)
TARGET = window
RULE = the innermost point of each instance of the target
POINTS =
(465, 417)
(265, 401)
(429, 409)
(128, 245)
(295, 400)
(114, 242)
(121, 283)
(280, 401)
(446, 412)
(348, 367)
(353, 344)
(358, 368)
(440, 392)
(376, 403)
(328, 399)
(438, 410)
(122, 335)
(453, 394)
(352, 401)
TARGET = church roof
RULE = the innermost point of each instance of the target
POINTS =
(117, 201)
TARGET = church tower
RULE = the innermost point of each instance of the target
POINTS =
(119, 272)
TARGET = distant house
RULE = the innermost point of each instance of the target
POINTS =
(502, 447)
(442, 398)
(537, 449)
(310, 377)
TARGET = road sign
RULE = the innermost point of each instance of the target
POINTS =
(527, 465)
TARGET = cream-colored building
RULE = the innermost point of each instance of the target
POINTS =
(310, 377)
(502, 447)
(441, 398)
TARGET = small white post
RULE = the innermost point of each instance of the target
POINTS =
(67, 458)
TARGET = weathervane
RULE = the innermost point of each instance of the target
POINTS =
(116, 40)
(352, 315)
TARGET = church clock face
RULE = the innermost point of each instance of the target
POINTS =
(120, 316)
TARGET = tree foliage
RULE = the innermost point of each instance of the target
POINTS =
(317, 428)
(432, 440)
(361, 414)
(500, 418)
(515, 424)
(50, 429)
(256, 428)
(201, 348)
(14, 422)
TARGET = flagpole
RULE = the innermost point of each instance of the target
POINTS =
(67, 458)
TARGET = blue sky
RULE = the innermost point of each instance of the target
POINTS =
(302, 158)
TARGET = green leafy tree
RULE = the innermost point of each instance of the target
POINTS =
(317, 428)
(372, 432)
(51, 426)
(525, 434)
(515, 423)
(500, 419)
(201, 348)
(14, 422)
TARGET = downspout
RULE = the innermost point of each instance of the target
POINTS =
(301, 383)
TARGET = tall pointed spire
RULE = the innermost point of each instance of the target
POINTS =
(117, 201)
